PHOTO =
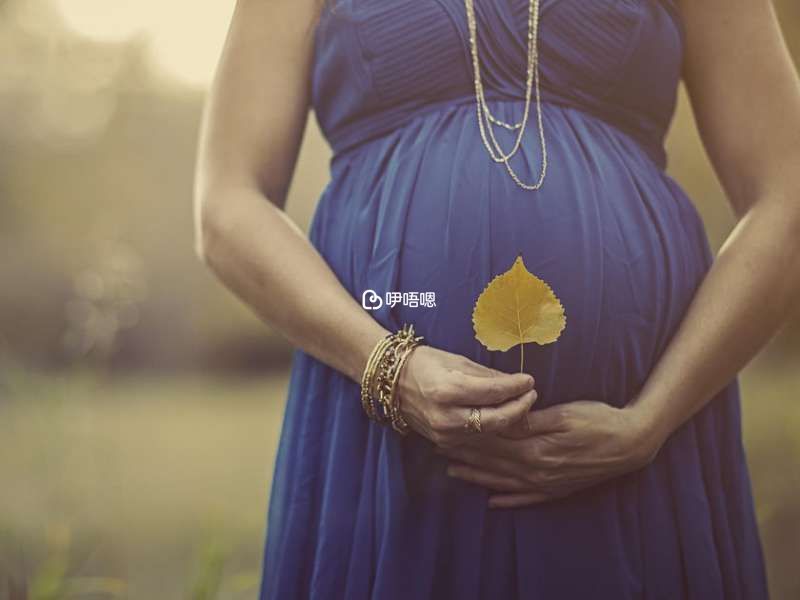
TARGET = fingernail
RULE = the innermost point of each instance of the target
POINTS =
(451, 471)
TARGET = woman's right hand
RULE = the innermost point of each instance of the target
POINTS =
(438, 389)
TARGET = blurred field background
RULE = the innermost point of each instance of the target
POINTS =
(140, 402)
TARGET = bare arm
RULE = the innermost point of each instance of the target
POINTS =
(251, 133)
(252, 128)
(746, 97)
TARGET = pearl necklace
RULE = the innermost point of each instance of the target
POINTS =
(532, 78)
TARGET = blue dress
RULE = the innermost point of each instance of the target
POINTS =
(415, 204)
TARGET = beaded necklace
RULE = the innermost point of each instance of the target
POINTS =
(484, 114)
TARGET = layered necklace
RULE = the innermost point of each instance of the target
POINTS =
(485, 117)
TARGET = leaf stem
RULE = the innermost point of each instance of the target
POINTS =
(521, 357)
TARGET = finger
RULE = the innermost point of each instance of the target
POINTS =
(517, 499)
(547, 420)
(470, 367)
(492, 372)
(501, 417)
(494, 388)
(517, 430)
(492, 444)
(533, 452)
(527, 452)
(498, 373)
(485, 478)
(475, 458)
(534, 424)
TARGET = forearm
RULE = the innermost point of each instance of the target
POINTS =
(264, 259)
(744, 299)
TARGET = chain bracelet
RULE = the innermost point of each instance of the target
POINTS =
(379, 381)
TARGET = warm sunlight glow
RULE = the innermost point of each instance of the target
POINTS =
(185, 36)
(188, 36)
(106, 20)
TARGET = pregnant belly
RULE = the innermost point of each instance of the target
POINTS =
(425, 210)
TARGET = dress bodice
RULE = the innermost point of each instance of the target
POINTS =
(378, 63)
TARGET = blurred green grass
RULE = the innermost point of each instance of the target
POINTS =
(147, 480)
(161, 482)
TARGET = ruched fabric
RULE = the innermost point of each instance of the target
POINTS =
(415, 204)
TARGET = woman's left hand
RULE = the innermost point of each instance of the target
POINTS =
(556, 451)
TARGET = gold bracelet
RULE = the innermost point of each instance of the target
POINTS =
(398, 422)
(381, 374)
(367, 379)
(384, 374)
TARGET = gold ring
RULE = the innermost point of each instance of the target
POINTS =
(474, 421)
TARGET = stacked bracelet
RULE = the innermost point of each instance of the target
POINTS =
(379, 381)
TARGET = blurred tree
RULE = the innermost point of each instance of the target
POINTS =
(97, 152)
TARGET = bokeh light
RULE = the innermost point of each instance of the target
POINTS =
(184, 37)
(107, 20)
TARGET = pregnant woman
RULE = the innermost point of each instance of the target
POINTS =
(613, 467)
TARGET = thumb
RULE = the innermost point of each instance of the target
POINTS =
(534, 422)
(546, 420)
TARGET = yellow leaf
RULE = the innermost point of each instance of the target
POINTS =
(515, 308)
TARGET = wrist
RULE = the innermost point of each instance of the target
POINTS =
(365, 344)
(379, 381)
(650, 431)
